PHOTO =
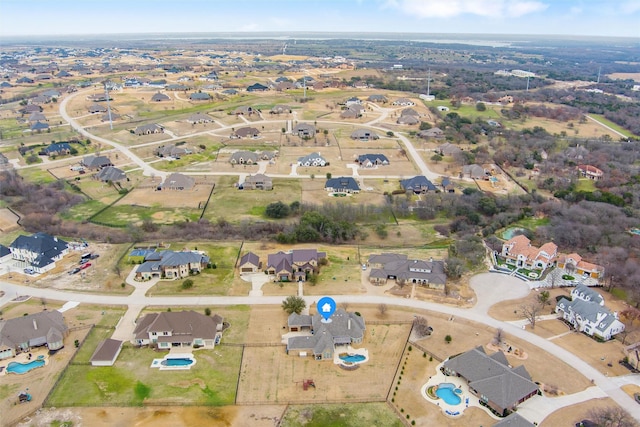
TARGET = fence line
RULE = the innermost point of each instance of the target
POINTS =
(421, 348)
(400, 415)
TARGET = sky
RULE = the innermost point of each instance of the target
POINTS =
(563, 17)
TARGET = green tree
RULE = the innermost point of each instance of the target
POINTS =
(425, 125)
(436, 158)
(207, 311)
(480, 106)
(448, 339)
(329, 175)
(187, 284)
(293, 304)
(277, 210)
(543, 297)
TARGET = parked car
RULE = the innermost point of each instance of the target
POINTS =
(364, 267)
(84, 261)
(75, 270)
(94, 256)
(29, 271)
(85, 265)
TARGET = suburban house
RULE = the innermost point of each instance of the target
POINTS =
(371, 160)
(324, 339)
(449, 149)
(492, 379)
(293, 265)
(434, 132)
(377, 98)
(97, 108)
(257, 87)
(591, 172)
(251, 157)
(518, 251)
(258, 181)
(574, 263)
(110, 174)
(199, 96)
(246, 132)
(160, 97)
(447, 185)
(364, 135)
(353, 112)
(178, 181)
(514, 420)
(587, 313)
(171, 150)
(343, 184)
(149, 129)
(404, 102)
(244, 110)
(474, 171)
(37, 117)
(405, 271)
(408, 119)
(39, 251)
(39, 127)
(200, 118)
(57, 149)
(178, 329)
(171, 264)
(93, 162)
(34, 330)
(313, 159)
(418, 185)
(304, 130)
(250, 263)
(106, 353)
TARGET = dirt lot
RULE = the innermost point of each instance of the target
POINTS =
(194, 198)
(8, 221)
(571, 415)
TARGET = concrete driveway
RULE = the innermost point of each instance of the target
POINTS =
(491, 288)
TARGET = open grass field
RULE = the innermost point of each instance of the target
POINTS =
(236, 205)
(131, 382)
(283, 381)
(147, 196)
(601, 119)
(352, 415)
(8, 221)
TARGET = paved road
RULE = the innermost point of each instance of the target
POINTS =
(606, 384)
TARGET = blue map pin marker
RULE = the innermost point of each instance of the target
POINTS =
(326, 307)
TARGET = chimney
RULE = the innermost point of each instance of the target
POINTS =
(349, 324)
(35, 324)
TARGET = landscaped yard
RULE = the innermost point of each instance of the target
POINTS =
(211, 381)
(353, 415)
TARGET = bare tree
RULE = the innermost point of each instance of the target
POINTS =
(382, 308)
(344, 305)
(531, 310)
(612, 416)
(498, 337)
(421, 327)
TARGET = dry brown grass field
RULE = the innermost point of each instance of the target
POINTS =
(8, 221)
(151, 197)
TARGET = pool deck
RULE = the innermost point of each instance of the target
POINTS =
(453, 411)
(352, 351)
(157, 363)
(24, 358)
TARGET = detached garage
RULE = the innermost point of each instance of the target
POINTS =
(106, 353)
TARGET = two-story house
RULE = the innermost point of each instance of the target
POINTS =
(586, 312)
(518, 251)
(293, 265)
(39, 251)
(178, 329)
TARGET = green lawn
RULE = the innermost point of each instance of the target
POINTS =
(211, 381)
(235, 205)
(37, 175)
(468, 110)
(91, 343)
(83, 210)
(351, 415)
(123, 215)
(612, 125)
(586, 184)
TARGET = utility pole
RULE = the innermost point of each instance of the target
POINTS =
(106, 93)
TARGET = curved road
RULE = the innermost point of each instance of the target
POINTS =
(489, 291)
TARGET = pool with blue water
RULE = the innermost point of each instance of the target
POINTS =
(23, 368)
(177, 362)
(353, 358)
(449, 393)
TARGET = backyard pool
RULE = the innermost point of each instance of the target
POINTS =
(449, 393)
(23, 368)
(510, 232)
(177, 362)
(353, 358)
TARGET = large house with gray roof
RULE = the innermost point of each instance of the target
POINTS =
(324, 339)
(586, 312)
(398, 267)
(110, 174)
(94, 162)
(418, 185)
(313, 159)
(167, 330)
(39, 251)
(490, 377)
(293, 265)
(364, 135)
(171, 264)
(343, 184)
(372, 160)
(149, 129)
(178, 181)
(304, 130)
(35, 330)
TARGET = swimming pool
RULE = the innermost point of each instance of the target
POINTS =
(449, 393)
(353, 358)
(510, 232)
(177, 362)
(23, 368)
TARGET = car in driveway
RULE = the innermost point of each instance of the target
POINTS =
(29, 271)
(85, 265)
(94, 256)
(75, 270)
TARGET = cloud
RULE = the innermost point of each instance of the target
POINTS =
(631, 6)
(453, 8)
